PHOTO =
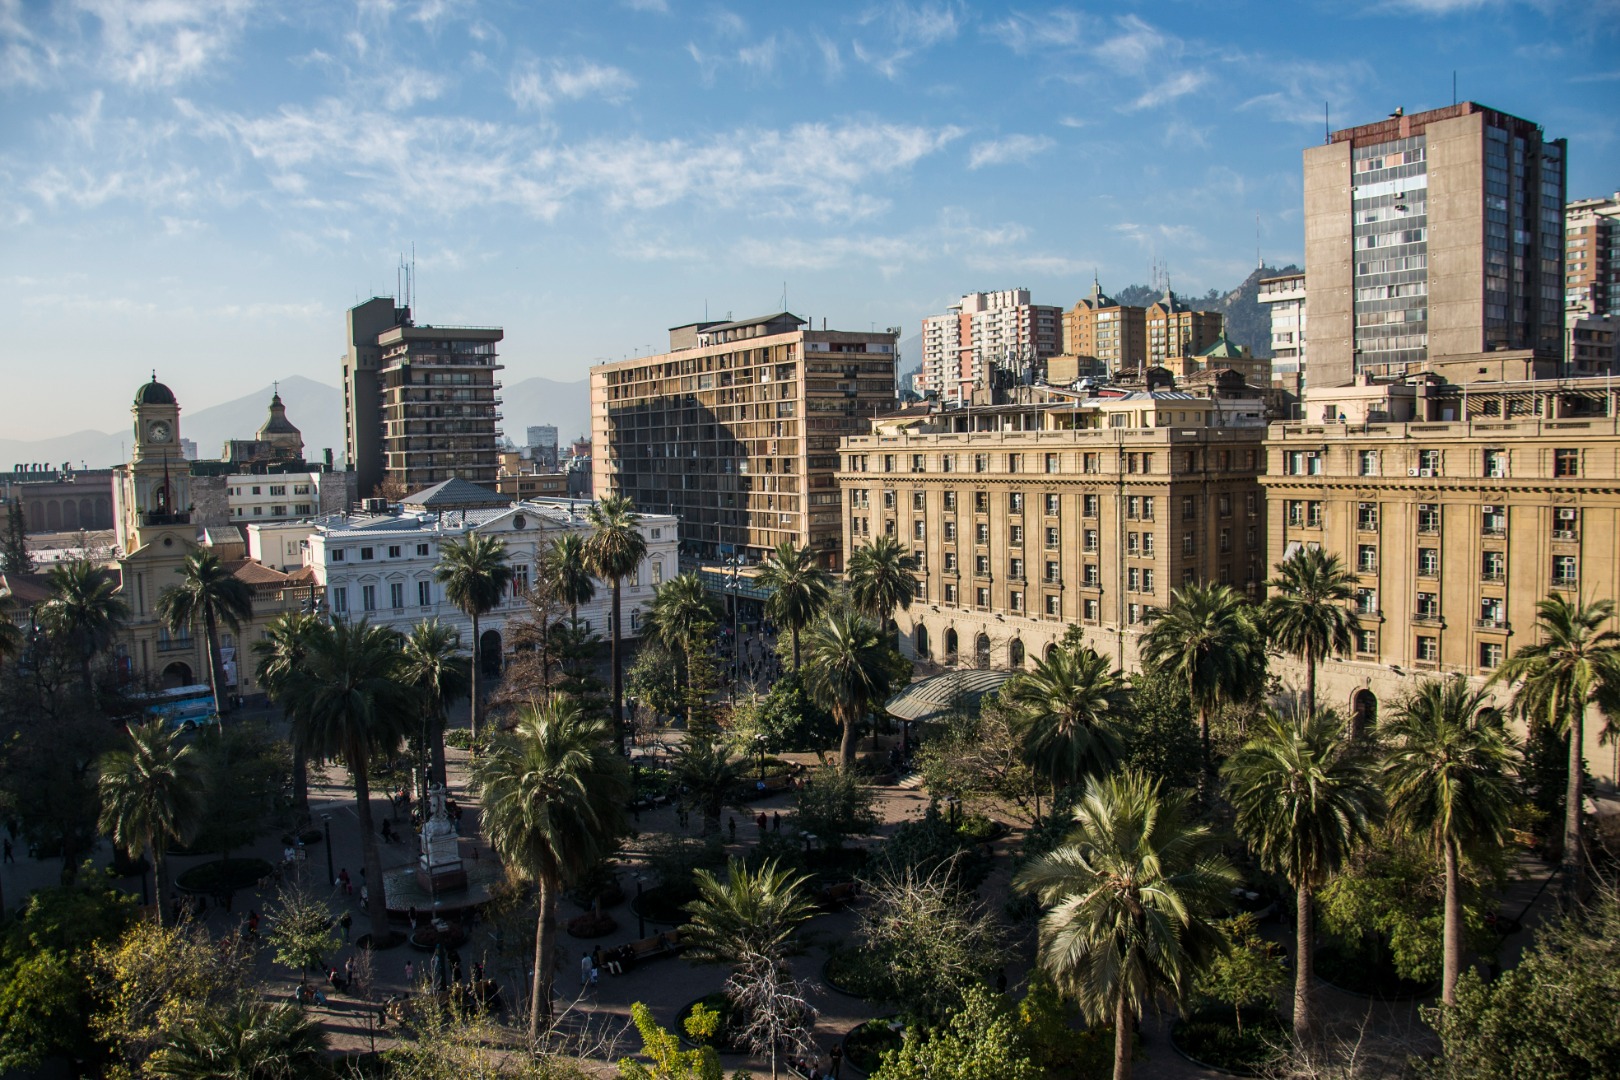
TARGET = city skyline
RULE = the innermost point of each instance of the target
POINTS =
(194, 183)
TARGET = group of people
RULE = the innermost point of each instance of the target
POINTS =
(810, 1068)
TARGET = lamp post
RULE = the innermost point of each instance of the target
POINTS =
(759, 743)
(735, 561)
(326, 827)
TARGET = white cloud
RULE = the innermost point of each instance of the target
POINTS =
(1180, 85)
(905, 30)
(660, 7)
(1060, 29)
(831, 61)
(760, 57)
(165, 43)
(1010, 150)
(534, 87)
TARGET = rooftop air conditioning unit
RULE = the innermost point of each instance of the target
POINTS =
(1490, 509)
(1414, 472)
(1566, 515)
(1426, 472)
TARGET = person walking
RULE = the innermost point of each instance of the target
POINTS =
(410, 973)
(345, 921)
(585, 969)
(835, 1061)
(776, 821)
(8, 856)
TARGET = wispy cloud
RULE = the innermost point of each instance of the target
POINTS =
(1023, 34)
(660, 7)
(1179, 85)
(535, 86)
(1010, 150)
(895, 33)
(154, 45)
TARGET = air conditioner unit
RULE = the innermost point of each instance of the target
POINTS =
(1414, 472)
(1426, 472)
(1566, 515)
(1490, 509)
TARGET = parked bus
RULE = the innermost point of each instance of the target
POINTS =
(184, 706)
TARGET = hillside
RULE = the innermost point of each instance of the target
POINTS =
(1247, 320)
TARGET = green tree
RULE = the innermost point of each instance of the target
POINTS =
(150, 794)
(301, 929)
(1071, 710)
(799, 589)
(711, 774)
(352, 704)
(1302, 807)
(439, 673)
(786, 716)
(1206, 640)
(281, 652)
(847, 670)
(242, 777)
(84, 610)
(207, 597)
(835, 805)
(669, 1061)
(882, 578)
(15, 558)
(1306, 616)
(682, 619)
(983, 1038)
(748, 914)
(567, 572)
(1161, 738)
(1574, 662)
(553, 793)
(1446, 781)
(244, 1040)
(613, 552)
(1245, 974)
(475, 576)
(1131, 899)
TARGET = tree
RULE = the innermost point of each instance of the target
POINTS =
(15, 558)
(436, 669)
(1246, 973)
(1161, 738)
(241, 780)
(209, 595)
(475, 575)
(847, 670)
(711, 775)
(352, 704)
(84, 610)
(1132, 896)
(682, 620)
(669, 1061)
(1206, 640)
(567, 573)
(799, 589)
(1446, 781)
(834, 805)
(882, 577)
(553, 793)
(1574, 662)
(301, 929)
(1306, 615)
(613, 552)
(243, 1040)
(11, 639)
(281, 652)
(983, 1038)
(150, 794)
(1071, 710)
(747, 916)
(1302, 807)
(774, 1008)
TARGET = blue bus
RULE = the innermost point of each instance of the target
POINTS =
(183, 706)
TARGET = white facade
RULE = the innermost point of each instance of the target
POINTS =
(267, 497)
(283, 546)
(1286, 298)
(381, 567)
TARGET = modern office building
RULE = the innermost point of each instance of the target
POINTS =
(1431, 240)
(1082, 510)
(983, 328)
(1592, 255)
(420, 403)
(541, 444)
(1284, 297)
(1103, 329)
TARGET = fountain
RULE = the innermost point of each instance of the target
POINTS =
(440, 881)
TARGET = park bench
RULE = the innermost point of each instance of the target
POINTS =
(632, 953)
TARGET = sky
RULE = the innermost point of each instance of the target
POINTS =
(204, 186)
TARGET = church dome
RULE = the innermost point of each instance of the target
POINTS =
(277, 422)
(155, 393)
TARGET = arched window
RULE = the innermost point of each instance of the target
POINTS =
(981, 651)
(950, 644)
(1364, 710)
(919, 641)
(1015, 654)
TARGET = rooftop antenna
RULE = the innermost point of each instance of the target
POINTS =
(1259, 263)
(1453, 86)
(1327, 126)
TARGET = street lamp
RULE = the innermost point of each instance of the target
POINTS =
(759, 742)
(326, 826)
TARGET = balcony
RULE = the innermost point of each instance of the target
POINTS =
(173, 645)
(1492, 577)
(1564, 581)
(1427, 618)
(1497, 531)
(1566, 534)
(1492, 624)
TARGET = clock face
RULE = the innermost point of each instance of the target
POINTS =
(158, 431)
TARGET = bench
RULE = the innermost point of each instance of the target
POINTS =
(632, 953)
(771, 785)
(833, 897)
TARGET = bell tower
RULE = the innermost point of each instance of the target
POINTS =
(154, 491)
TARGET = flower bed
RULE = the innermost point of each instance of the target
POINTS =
(663, 904)
(722, 1038)
(1211, 1038)
(591, 925)
(865, 1045)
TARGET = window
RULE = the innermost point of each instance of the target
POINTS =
(1015, 462)
(950, 530)
(981, 462)
(1428, 562)
(1189, 508)
(1133, 580)
(1313, 514)
(1133, 613)
(981, 565)
(950, 593)
(1147, 579)
(1366, 642)
(922, 560)
(1367, 463)
(1491, 654)
(1090, 608)
(393, 551)
(1088, 506)
(278, 511)
(1015, 569)
(1015, 600)
(1493, 521)
(981, 502)
(888, 500)
(950, 501)
(658, 571)
(1429, 462)
(1051, 505)
(1051, 463)
(339, 554)
(1226, 540)
(340, 599)
(1493, 566)
(365, 554)
(1367, 517)
(1428, 606)
(920, 589)
(888, 463)
(1133, 507)
(1054, 605)
(421, 550)
(1496, 464)
(1147, 508)
(1566, 463)
(1015, 502)
(1051, 536)
(1188, 545)
(424, 594)
(1294, 512)
(1428, 649)
(950, 562)
(1091, 462)
(278, 489)
(1223, 505)
(255, 490)
(1147, 545)
(1015, 535)
(1428, 518)
(258, 511)
(1052, 575)
(982, 596)
(919, 530)
(1133, 543)
(919, 501)
(916, 463)
(1565, 571)
(1091, 540)
(1493, 612)
(396, 595)
(981, 533)
(1091, 575)
(1367, 559)
(1366, 601)
(368, 598)
(1302, 463)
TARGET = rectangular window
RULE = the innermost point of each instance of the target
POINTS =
(1015, 600)
(1088, 506)
(1147, 508)
(1366, 642)
(1428, 518)
(1367, 517)
(919, 500)
(368, 598)
(888, 500)
(1147, 579)
(1428, 649)
(1051, 463)
(339, 554)
(1015, 463)
(1015, 569)
(1226, 540)
(1429, 462)
(1091, 539)
(1366, 601)
(1566, 572)
(1133, 613)
(1496, 464)
(1428, 562)
(1493, 521)
(340, 600)
(1133, 507)
(1147, 545)
(1052, 536)
(1490, 655)
(396, 594)
(888, 463)
(1091, 462)
(981, 502)
(1189, 508)
(1492, 612)
(1367, 559)
(1051, 505)
(918, 530)
(947, 463)
(950, 562)
(278, 489)
(916, 463)
(1428, 605)
(981, 533)
(1015, 535)
(1223, 505)
(1091, 575)
(1566, 463)
(1054, 605)
(1493, 566)
(1133, 543)
(950, 593)
(1188, 545)
(424, 594)
(981, 462)
(1015, 502)
(1367, 463)
(1294, 512)
(950, 501)
(1090, 607)
(981, 565)
(982, 597)
(365, 554)
(421, 549)
(950, 530)
(1052, 575)
(393, 551)
(1313, 514)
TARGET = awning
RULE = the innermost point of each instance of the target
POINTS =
(937, 696)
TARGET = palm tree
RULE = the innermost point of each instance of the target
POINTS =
(751, 915)
(613, 552)
(84, 608)
(1574, 662)
(882, 577)
(553, 793)
(1446, 778)
(150, 794)
(246, 1040)
(1302, 806)
(281, 654)
(208, 594)
(1132, 893)
(475, 574)
(681, 619)
(436, 669)
(711, 774)
(847, 670)
(1070, 711)
(1206, 640)
(1306, 615)
(799, 589)
(566, 571)
(352, 703)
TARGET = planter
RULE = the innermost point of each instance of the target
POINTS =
(1366, 976)
(223, 876)
(591, 925)
(721, 1042)
(865, 1043)
(427, 938)
(1209, 1038)
(845, 973)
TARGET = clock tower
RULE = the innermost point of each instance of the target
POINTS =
(155, 487)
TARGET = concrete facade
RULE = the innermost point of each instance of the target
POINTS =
(60, 500)
(982, 328)
(1592, 255)
(1284, 298)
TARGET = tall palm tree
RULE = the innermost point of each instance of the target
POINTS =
(352, 703)
(566, 570)
(1574, 662)
(1132, 894)
(682, 619)
(84, 608)
(847, 670)
(1446, 779)
(613, 552)
(1306, 615)
(281, 654)
(436, 669)
(1205, 640)
(210, 595)
(1302, 807)
(246, 1040)
(711, 774)
(882, 578)
(553, 792)
(799, 589)
(475, 575)
(1070, 711)
(750, 915)
(150, 794)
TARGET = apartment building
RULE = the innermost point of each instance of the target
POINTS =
(1003, 328)
(1592, 255)
(1083, 510)
(1103, 329)
(1433, 239)
(1458, 507)
(1284, 297)
(735, 430)
(420, 403)
(1174, 330)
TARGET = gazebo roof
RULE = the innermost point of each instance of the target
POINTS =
(938, 696)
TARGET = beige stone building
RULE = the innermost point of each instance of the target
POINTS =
(1592, 255)
(1173, 330)
(1083, 510)
(1100, 327)
(1458, 507)
(736, 430)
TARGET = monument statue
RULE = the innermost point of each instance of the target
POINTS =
(439, 866)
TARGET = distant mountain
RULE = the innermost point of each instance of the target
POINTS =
(1248, 322)
(532, 402)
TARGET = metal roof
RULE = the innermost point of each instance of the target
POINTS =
(938, 696)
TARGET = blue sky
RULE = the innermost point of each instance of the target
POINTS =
(204, 186)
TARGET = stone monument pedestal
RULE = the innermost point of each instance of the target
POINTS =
(439, 868)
